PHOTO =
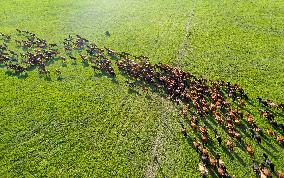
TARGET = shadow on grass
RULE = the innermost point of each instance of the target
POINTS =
(115, 58)
(208, 124)
(268, 142)
(59, 78)
(132, 91)
(18, 75)
(51, 61)
(2, 66)
(46, 77)
(267, 151)
(85, 64)
(241, 145)
(104, 74)
(74, 63)
(244, 130)
(148, 97)
(275, 113)
(214, 173)
(225, 150)
(240, 160)
(251, 102)
(63, 64)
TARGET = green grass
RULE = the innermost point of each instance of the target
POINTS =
(240, 42)
(91, 125)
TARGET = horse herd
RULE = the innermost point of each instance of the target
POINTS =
(201, 99)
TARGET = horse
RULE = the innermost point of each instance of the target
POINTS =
(280, 139)
(203, 169)
(183, 130)
(265, 173)
(255, 168)
(193, 125)
(204, 139)
(218, 137)
(230, 145)
(250, 120)
(237, 135)
(213, 162)
(249, 150)
(270, 132)
(196, 145)
(258, 138)
(280, 174)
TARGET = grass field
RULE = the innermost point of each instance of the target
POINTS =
(90, 125)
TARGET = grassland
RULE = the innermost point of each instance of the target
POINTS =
(90, 125)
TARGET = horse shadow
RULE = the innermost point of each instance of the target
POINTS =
(269, 143)
(225, 150)
(148, 97)
(74, 63)
(63, 64)
(46, 77)
(59, 78)
(16, 74)
(85, 64)
(240, 160)
(241, 145)
(214, 174)
(244, 131)
(251, 102)
(275, 113)
(233, 155)
(132, 91)
(2, 66)
(51, 61)
(105, 74)
(208, 124)
(267, 151)
(115, 58)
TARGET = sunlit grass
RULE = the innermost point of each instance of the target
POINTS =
(90, 125)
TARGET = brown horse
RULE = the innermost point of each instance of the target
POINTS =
(204, 138)
(280, 174)
(203, 169)
(237, 135)
(213, 162)
(193, 125)
(280, 139)
(270, 132)
(250, 120)
(196, 145)
(203, 130)
(249, 150)
(230, 145)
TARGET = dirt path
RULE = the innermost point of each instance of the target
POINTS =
(163, 131)
(153, 167)
(185, 46)
(156, 161)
